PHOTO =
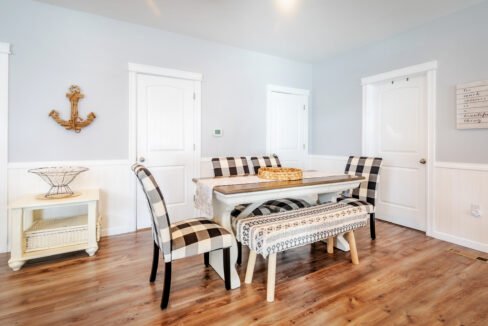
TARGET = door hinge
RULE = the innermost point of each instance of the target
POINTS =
(194, 96)
(304, 147)
(194, 147)
(304, 107)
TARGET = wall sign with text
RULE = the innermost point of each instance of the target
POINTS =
(472, 105)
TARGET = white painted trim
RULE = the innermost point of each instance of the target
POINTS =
(461, 166)
(5, 48)
(286, 90)
(460, 241)
(4, 73)
(412, 70)
(158, 71)
(134, 70)
(30, 165)
(429, 69)
(431, 143)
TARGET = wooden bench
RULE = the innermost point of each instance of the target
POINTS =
(268, 235)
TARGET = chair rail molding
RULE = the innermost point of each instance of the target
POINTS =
(4, 67)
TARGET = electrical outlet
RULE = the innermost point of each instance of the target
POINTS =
(475, 210)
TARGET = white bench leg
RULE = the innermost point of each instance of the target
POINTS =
(271, 278)
(352, 245)
(250, 267)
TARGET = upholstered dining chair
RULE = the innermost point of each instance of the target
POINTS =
(365, 194)
(238, 166)
(181, 239)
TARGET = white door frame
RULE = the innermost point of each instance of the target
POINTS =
(4, 58)
(428, 69)
(134, 70)
(285, 90)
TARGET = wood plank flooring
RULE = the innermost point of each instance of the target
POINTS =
(403, 278)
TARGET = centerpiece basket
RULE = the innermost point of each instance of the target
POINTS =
(281, 174)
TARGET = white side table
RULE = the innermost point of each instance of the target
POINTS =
(36, 233)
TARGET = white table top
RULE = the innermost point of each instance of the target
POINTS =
(31, 201)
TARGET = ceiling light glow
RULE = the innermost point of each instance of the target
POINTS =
(286, 6)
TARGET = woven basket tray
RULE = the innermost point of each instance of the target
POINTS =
(58, 232)
(282, 174)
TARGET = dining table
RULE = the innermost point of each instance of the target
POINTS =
(216, 197)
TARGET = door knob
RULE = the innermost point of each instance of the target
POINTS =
(142, 159)
(422, 161)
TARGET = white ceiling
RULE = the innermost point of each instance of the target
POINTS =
(304, 30)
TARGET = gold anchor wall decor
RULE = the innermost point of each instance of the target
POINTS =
(75, 123)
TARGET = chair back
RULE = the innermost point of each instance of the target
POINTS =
(160, 220)
(227, 166)
(265, 162)
(368, 167)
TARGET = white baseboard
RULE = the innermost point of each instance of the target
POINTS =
(116, 230)
(460, 241)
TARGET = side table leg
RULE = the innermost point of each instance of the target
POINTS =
(92, 228)
(91, 251)
(15, 265)
(16, 260)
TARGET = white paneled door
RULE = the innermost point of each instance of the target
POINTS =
(166, 119)
(288, 125)
(401, 140)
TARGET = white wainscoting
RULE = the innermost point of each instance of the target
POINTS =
(113, 177)
(457, 186)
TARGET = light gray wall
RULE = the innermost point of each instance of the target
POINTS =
(54, 48)
(460, 44)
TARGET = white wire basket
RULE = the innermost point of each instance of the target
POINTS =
(59, 178)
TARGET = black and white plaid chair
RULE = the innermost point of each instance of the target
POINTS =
(265, 162)
(365, 194)
(227, 166)
(182, 239)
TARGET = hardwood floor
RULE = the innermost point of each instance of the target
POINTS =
(403, 277)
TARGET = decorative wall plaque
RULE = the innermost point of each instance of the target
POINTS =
(472, 105)
(75, 123)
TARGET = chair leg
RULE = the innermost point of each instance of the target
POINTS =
(167, 286)
(372, 227)
(206, 259)
(330, 245)
(270, 291)
(226, 255)
(154, 268)
(239, 253)
(251, 261)
(352, 245)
